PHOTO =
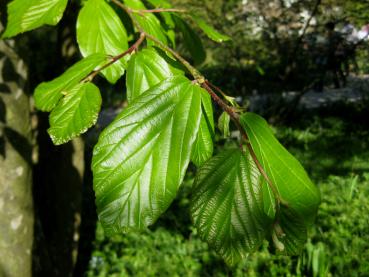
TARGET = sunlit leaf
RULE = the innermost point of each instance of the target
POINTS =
(300, 196)
(75, 113)
(48, 94)
(99, 30)
(148, 21)
(26, 15)
(204, 146)
(141, 158)
(146, 69)
(227, 205)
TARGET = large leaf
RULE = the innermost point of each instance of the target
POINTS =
(284, 170)
(141, 158)
(48, 94)
(210, 31)
(99, 30)
(75, 113)
(227, 205)
(146, 69)
(191, 40)
(148, 21)
(203, 147)
(30, 14)
(300, 196)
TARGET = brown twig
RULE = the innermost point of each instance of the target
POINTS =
(159, 11)
(114, 59)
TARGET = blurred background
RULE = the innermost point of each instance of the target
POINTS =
(302, 64)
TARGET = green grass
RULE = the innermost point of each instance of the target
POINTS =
(336, 155)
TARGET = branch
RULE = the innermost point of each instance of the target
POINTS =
(201, 80)
(158, 11)
(114, 59)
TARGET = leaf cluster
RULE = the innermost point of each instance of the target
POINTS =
(240, 197)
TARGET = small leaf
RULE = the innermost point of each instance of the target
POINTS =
(191, 40)
(30, 14)
(210, 31)
(148, 21)
(141, 158)
(146, 69)
(75, 113)
(48, 94)
(227, 205)
(290, 179)
(204, 146)
(223, 124)
(99, 30)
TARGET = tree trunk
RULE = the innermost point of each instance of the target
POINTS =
(16, 206)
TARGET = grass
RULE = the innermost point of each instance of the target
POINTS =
(336, 155)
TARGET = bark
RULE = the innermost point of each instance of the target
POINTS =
(16, 206)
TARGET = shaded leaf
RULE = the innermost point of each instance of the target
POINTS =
(48, 94)
(227, 205)
(28, 15)
(146, 69)
(204, 146)
(99, 30)
(141, 158)
(191, 40)
(209, 30)
(75, 113)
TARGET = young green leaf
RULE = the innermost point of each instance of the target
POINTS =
(48, 94)
(75, 113)
(204, 146)
(210, 31)
(141, 158)
(148, 21)
(30, 14)
(146, 69)
(223, 124)
(99, 30)
(227, 205)
(191, 40)
(285, 172)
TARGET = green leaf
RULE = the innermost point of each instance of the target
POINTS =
(210, 31)
(191, 40)
(99, 30)
(141, 158)
(146, 69)
(290, 179)
(75, 113)
(204, 146)
(30, 14)
(227, 205)
(148, 21)
(284, 171)
(293, 234)
(223, 124)
(48, 94)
